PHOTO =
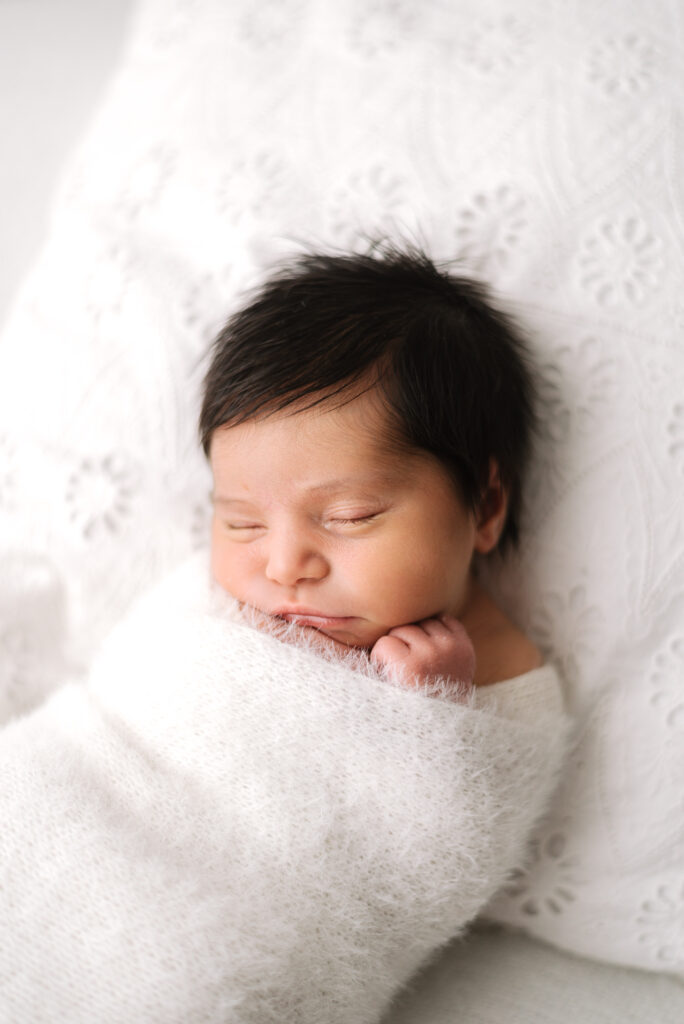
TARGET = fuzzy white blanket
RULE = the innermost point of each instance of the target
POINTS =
(223, 827)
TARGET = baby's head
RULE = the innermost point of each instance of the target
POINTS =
(367, 420)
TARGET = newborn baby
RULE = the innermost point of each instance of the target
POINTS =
(220, 826)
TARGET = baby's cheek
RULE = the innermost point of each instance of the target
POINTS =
(218, 558)
(230, 567)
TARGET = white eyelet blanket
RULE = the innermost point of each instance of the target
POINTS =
(222, 827)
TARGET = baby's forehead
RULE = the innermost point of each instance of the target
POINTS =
(326, 446)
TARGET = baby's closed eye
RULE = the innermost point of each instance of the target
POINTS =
(354, 520)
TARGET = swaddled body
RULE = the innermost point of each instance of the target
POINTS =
(227, 828)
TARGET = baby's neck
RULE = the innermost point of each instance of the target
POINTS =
(501, 649)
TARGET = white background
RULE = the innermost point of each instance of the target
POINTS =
(56, 57)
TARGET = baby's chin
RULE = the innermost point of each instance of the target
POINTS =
(361, 636)
(342, 640)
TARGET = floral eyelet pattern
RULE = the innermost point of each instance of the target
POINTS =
(368, 206)
(553, 887)
(622, 66)
(146, 180)
(569, 625)
(621, 262)
(491, 229)
(253, 186)
(100, 493)
(660, 921)
(667, 695)
(494, 46)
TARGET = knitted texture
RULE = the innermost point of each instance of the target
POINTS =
(222, 827)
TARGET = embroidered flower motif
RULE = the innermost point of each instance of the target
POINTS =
(621, 260)
(622, 66)
(567, 627)
(546, 886)
(254, 185)
(665, 677)
(380, 27)
(597, 380)
(577, 394)
(656, 371)
(145, 180)
(99, 493)
(490, 229)
(661, 921)
(112, 268)
(368, 206)
(553, 408)
(589, 376)
(493, 47)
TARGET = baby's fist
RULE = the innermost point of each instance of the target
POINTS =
(425, 650)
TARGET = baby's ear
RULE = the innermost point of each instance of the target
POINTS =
(491, 514)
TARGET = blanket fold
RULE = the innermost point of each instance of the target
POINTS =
(223, 827)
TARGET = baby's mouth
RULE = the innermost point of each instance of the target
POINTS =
(321, 622)
(336, 628)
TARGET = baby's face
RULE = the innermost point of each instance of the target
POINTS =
(314, 521)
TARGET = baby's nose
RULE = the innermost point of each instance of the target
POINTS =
(292, 561)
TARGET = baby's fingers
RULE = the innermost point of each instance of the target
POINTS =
(443, 629)
(414, 635)
(453, 625)
(388, 650)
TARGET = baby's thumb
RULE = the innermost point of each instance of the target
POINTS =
(388, 651)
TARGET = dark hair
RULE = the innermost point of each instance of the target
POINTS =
(451, 367)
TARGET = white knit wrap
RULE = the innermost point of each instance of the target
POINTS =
(222, 827)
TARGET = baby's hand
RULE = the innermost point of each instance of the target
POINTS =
(420, 652)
